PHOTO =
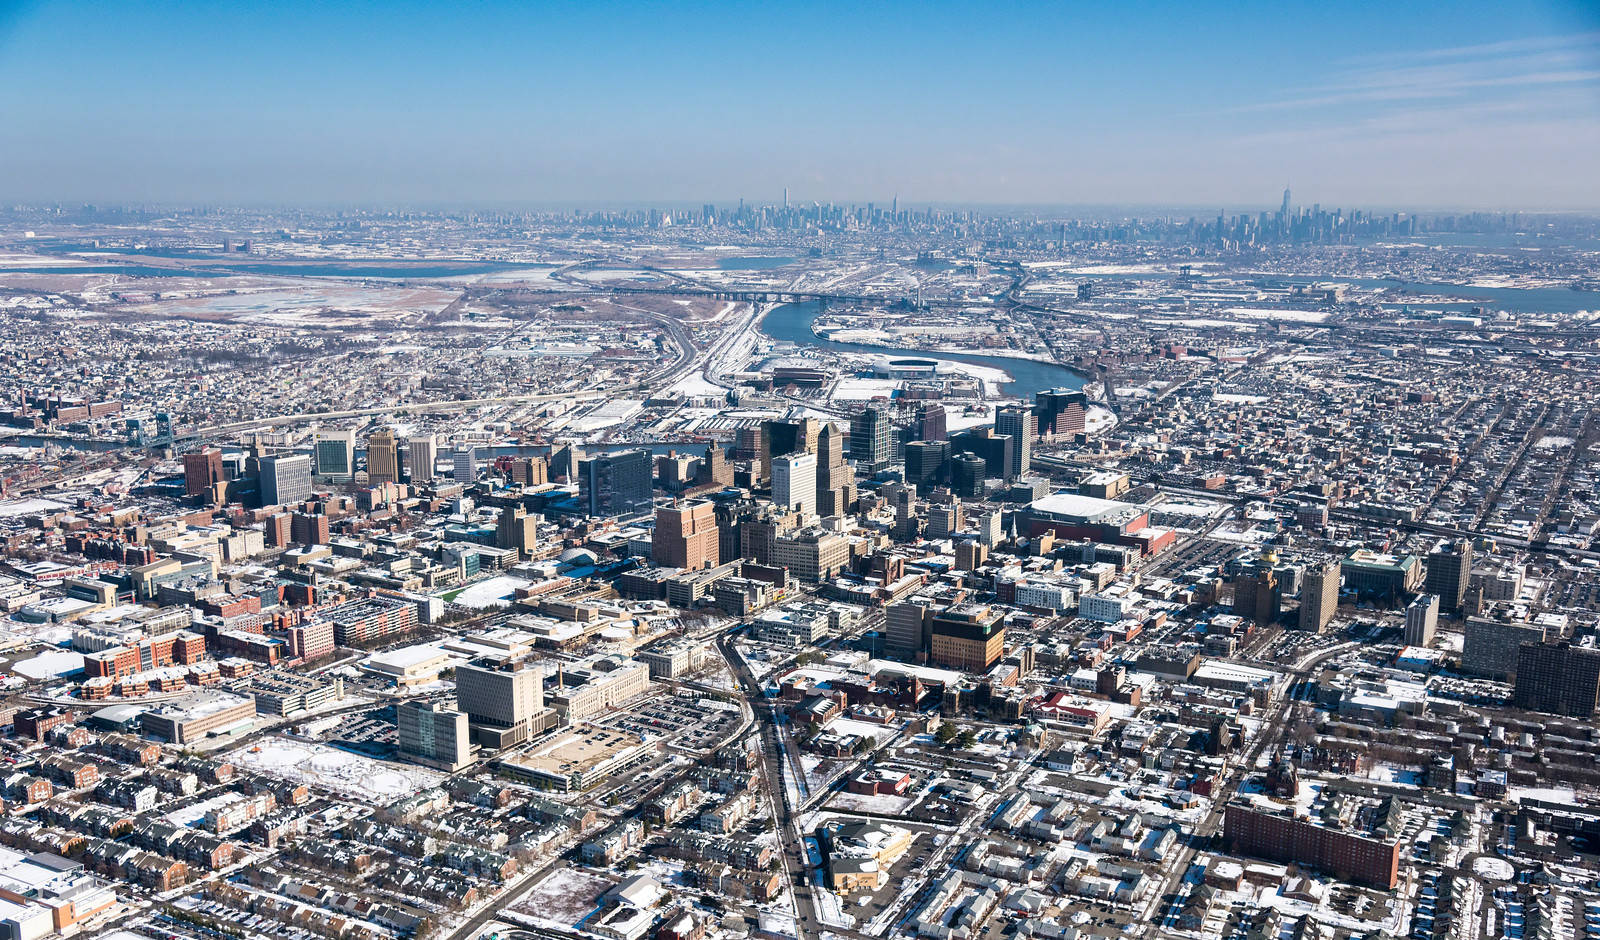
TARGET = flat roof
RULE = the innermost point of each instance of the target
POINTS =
(1087, 508)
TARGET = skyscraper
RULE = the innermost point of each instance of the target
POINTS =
(421, 453)
(931, 422)
(966, 475)
(285, 480)
(335, 452)
(1061, 411)
(465, 467)
(430, 733)
(1022, 426)
(1256, 595)
(1422, 619)
(616, 484)
(686, 536)
(1559, 678)
(201, 470)
(516, 528)
(925, 462)
(383, 458)
(835, 480)
(870, 445)
(502, 698)
(794, 482)
(1449, 570)
(1319, 595)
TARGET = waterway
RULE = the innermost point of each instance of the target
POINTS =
(791, 323)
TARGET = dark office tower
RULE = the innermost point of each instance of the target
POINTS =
(836, 482)
(1022, 425)
(931, 423)
(925, 462)
(906, 630)
(870, 446)
(792, 436)
(1559, 678)
(383, 458)
(1061, 411)
(966, 475)
(1449, 571)
(201, 470)
(997, 450)
(615, 484)
(285, 480)
(1256, 595)
(516, 529)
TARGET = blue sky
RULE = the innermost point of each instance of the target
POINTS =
(1394, 104)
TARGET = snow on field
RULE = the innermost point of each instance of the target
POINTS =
(495, 592)
(695, 384)
(1490, 868)
(192, 815)
(1297, 316)
(565, 897)
(317, 765)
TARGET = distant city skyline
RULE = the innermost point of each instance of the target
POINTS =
(1418, 106)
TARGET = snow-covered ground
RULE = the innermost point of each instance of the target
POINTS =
(494, 592)
(327, 768)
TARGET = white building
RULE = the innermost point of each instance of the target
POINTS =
(794, 482)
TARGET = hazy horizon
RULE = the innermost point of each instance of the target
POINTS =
(1416, 108)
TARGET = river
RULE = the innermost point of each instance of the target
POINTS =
(792, 323)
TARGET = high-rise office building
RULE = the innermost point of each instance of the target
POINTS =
(430, 733)
(794, 482)
(503, 700)
(285, 480)
(967, 472)
(926, 462)
(997, 450)
(835, 480)
(383, 458)
(1489, 647)
(870, 444)
(464, 469)
(1022, 426)
(791, 436)
(1422, 620)
(905, 628)
(1257, 596)
(1062, 411)
(309, 528)
(201, 470)
(421, 454)
(616, 484)
(1319, 595)
(686, 536)
(932, 424)
(518, 529)
(529, 471)
(1449, 570)
(335, 454)
(971, 637)
(1559, 678)
(276, 530)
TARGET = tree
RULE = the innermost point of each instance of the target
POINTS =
(966, 739)
(947, 732)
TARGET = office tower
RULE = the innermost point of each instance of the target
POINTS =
(945, 519)
(616, 484)
(1256, 595)
(971, 637)
(1319, 595)
(906, 630)
(812, 555)
(1283, 211)
(754, 445)
(794, 482)
(1061, 411)
(421, 454)
(835, 480)
(201, 470)
(432, 734)
(309, 528)
(383, 458)
(997, 450)
(529, 471)
(1449, 570)
(870, 446)
(285, 480)
(966, 475)
(465, 466)
(277, 531)
(335, 453)
(1559, 678)
(517, 529)
(931, 423)
(503, 700)
(565, 463)
(686, 536)
(1022, 426)
(990, 532)
(1422, 619)
(791, 436)
(1489, 647)
(971, 555)
(925, 462)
